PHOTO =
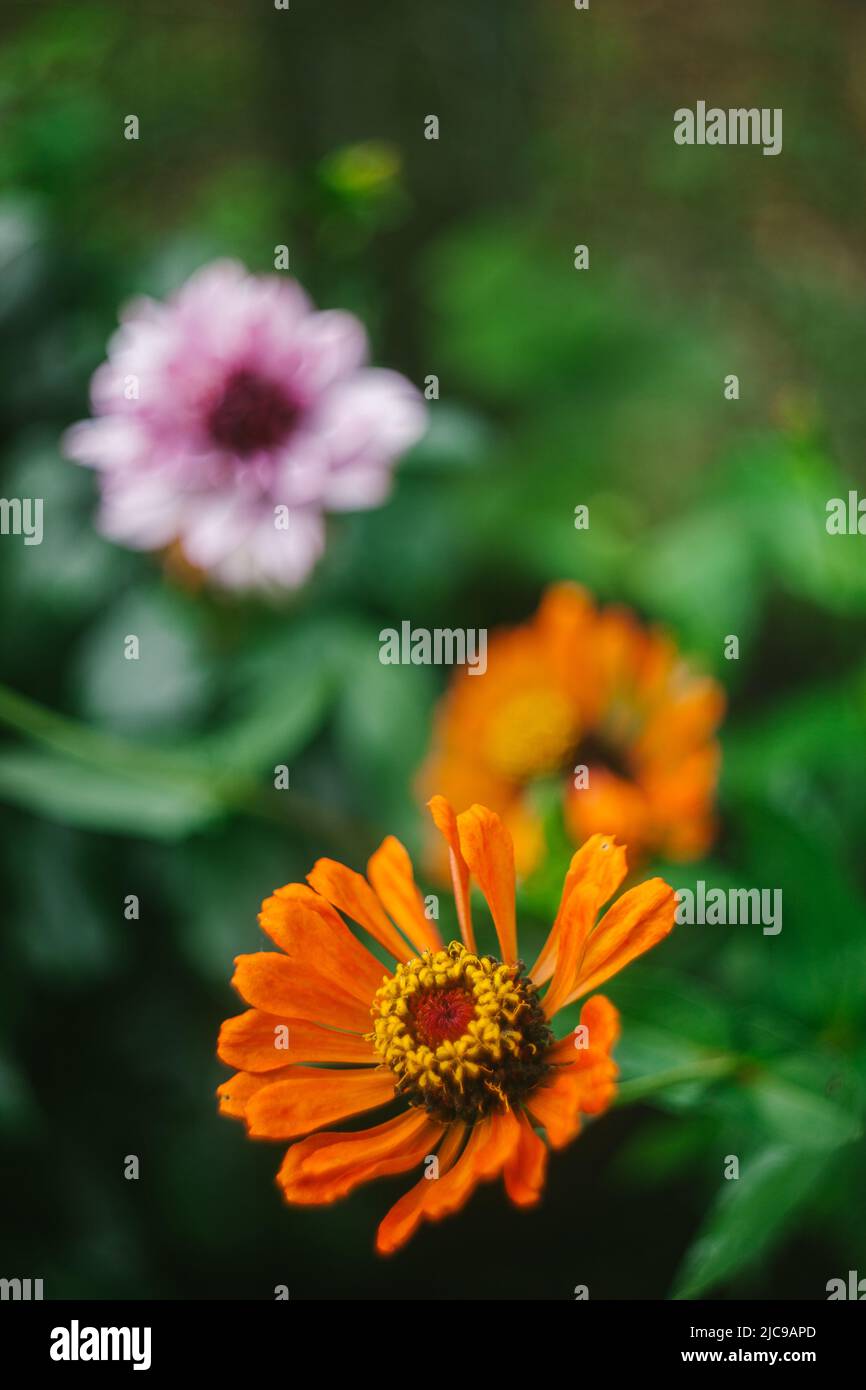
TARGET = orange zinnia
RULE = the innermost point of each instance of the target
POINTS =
(578, 688)
(463, 1040)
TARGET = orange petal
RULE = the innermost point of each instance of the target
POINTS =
(352, 894)
(586, 1082)
(277, 985)
(556, 1108)
(308, 928)
(599, 867)
(327, 1166)
(600, 1018)
(593, 1081)
(612, 804)
(234, 1093)
(688, 717)
(575, 926)
(255, 1041)
(490, 1145)
(524, 1172)
(497, 1137)
(680, 796)
(405, 1216)
(446, 823)
(390, 872)
(313, 1096)
(636, 922)
(489, 852)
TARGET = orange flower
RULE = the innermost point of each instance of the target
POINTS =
(462, 1040)
(591, 698)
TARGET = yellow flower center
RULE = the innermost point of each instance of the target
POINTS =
(531, 734)
(464, 1034)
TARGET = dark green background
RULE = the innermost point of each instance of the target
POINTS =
(306, 128)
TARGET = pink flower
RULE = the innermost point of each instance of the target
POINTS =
(231, 418)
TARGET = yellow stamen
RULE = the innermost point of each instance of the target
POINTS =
(464, 1034)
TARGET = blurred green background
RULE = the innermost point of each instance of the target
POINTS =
(261, 127)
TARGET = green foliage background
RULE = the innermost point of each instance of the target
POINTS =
(261, 127)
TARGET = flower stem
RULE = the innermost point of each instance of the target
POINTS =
(705, 1069)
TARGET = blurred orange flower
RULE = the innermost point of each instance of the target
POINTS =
(593, 698)
(462, 1040)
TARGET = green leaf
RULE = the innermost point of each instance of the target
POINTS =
(281, 692)
(275, 727)
(748, 1216)
(809, 971)
(799, 1116)
(786, 491)
(104, 798)
(819, 734)
(383, 722)
(91, 777)
(699, 574)
(166, 687)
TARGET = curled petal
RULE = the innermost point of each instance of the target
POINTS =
(327, 1166)
(352, 894)
(490, 1146)
(597, 868)
(585, 1080)
(276, 985)
(526, 1167)
(488, 850)
(637, 920)
(390, 872)
(446, 823)
(308, 928)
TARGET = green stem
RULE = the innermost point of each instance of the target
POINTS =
(76, 740)
(706, 1069)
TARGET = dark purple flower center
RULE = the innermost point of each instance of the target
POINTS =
(251, 413)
